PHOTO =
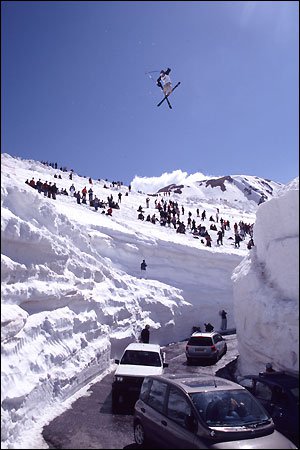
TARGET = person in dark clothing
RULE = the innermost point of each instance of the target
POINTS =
(237, 240)
(164, 81)
(220, 237)
(143, 265)
(224, 320)
(250, 244)
(145, 335)
(269, 368)
(208, 327)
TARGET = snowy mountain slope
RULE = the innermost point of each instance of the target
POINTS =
(72, 292)
(245, 190)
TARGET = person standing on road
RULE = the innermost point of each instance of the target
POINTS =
(223, 314)
(145, 335)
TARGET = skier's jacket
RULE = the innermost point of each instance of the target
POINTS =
(164, 79)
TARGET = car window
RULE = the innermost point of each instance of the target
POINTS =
(178, 407)
(141, 358)
(220, 408)
(263, 391)
(218, 338)
(145, 389)
(247, 383)
(156, 395)
(200, 341)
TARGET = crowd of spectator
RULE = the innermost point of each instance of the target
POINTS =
(170, 214)
(167, 212)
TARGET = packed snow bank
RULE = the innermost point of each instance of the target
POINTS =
(72, 292)
(266, 284)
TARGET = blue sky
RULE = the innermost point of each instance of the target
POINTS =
(74, 88)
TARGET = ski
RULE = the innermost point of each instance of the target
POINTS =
(166, 96)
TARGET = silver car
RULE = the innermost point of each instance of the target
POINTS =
(188, 411)
(205, 346)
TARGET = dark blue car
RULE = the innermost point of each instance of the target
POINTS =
(279, 394)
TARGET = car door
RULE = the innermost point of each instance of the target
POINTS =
(180, 423)
(219, 343)
(153, 419)
(282, 410)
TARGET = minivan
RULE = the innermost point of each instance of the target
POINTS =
(192, 411)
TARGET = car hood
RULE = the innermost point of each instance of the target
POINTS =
(274, 440)
(137, 371)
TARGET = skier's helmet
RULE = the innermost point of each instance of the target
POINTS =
(162, 72)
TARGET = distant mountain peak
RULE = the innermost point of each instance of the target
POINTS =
(239, 188)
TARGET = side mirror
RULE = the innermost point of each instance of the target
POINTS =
(117, 361)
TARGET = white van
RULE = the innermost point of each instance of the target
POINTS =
(138, 360)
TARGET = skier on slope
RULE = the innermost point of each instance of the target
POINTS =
(164, 81)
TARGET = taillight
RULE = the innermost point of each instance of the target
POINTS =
(213, 348)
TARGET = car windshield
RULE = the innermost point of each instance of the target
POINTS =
(141, 358)
(236, 408)
(200, 341)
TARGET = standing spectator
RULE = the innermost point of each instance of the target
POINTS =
(237, 240)
(203, 215)
(208, 240)
(72, 190)
(220, 237)
(143, 265)
(39, 185)
(147, 202)
(90, 192)
(145, 335)
(208, 327)
(78, 197)
(224, 320)
(45, 188)
(96, 203)
(84, 192)
(54, 190)
(49, 189)
(119, 197)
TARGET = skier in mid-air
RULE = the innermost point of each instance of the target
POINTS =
(164, 81)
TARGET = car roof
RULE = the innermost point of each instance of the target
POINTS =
(199, 334)
(194, 383)
(277, 378)
(143, 347)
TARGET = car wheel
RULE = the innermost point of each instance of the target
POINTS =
(139, 434)
(225, 349)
